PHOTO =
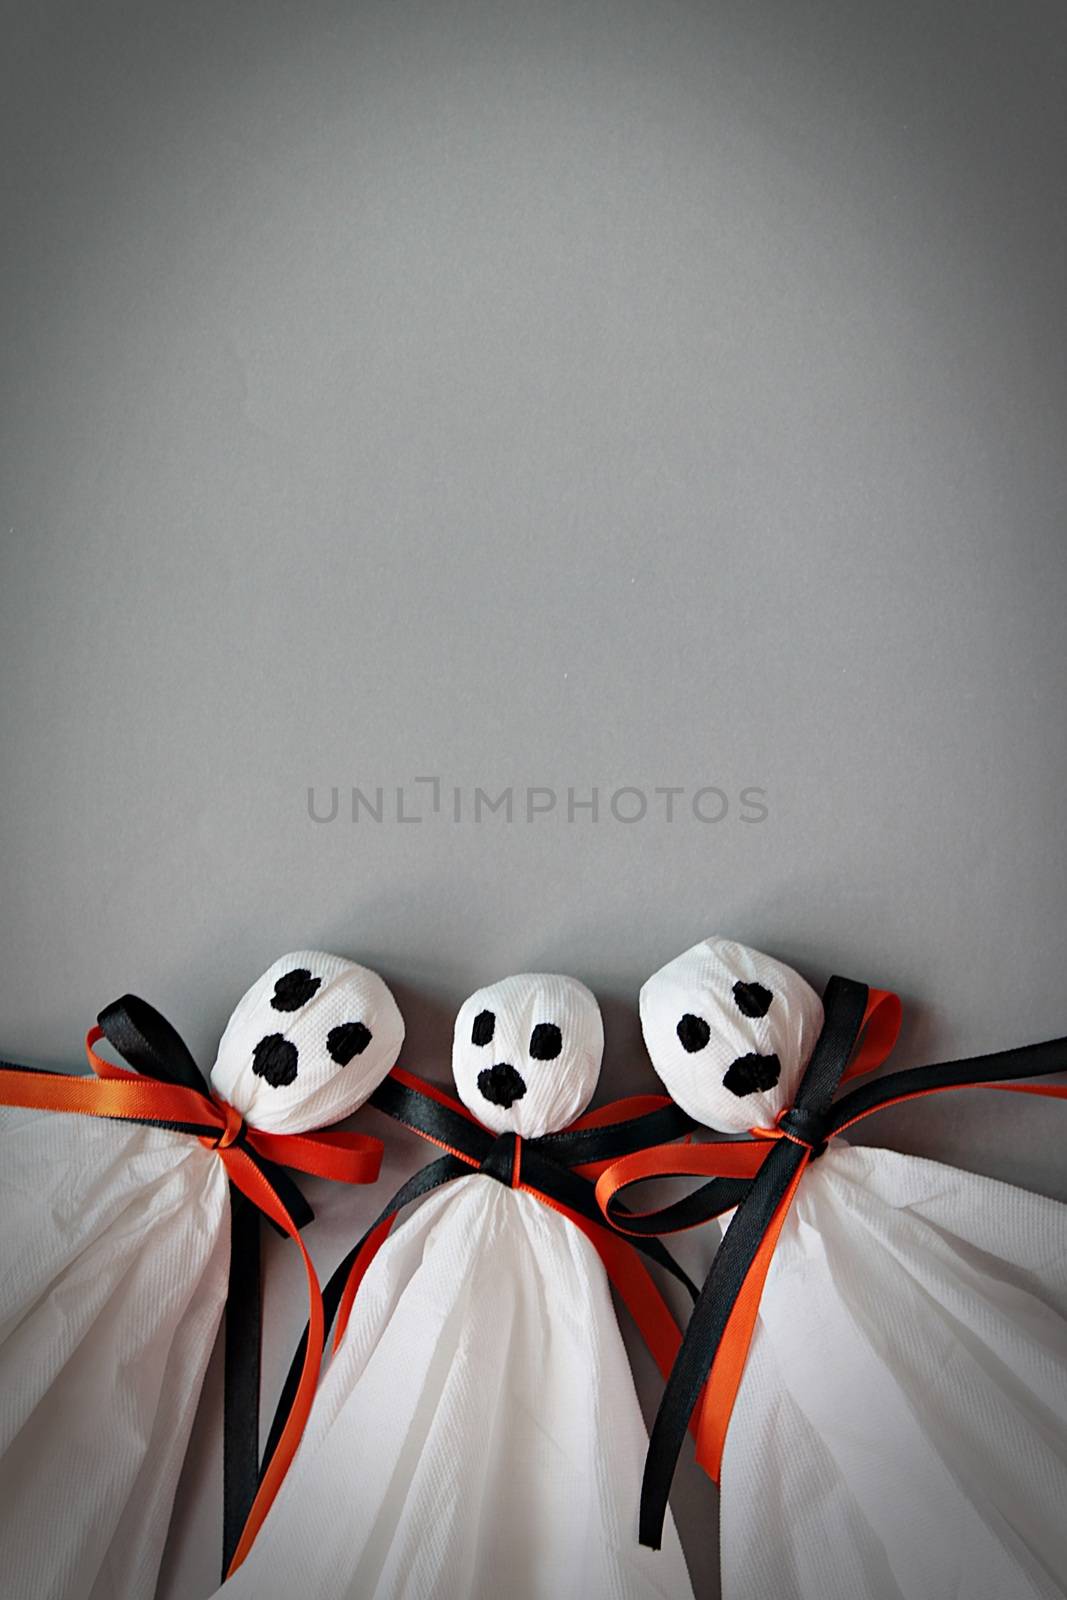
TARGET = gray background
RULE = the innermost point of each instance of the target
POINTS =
(564, 395)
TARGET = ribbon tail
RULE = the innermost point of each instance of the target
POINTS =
(292, 1197)
(372, 1243)
(997, 1071)
(331, 1296)
(705, 1331)
(242, 1356)
(338, 1155)
(244, 1171)
(432, 1177)
(727, 1368)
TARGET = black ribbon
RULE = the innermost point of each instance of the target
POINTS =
(545, 1164)
(154, 1049)
(813, 1119)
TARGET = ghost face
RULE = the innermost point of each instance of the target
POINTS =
(308, 1043)
(526, 1054)
(730, 1032)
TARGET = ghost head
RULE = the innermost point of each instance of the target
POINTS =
(730, 1032)
(526, 1053)
(308, 1043)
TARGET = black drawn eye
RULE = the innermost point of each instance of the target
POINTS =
(484, 1028)
(753, 1000)
(275, 1059)
(693, 1032)
(347, 1040)
(294, 990)
(546, 1042)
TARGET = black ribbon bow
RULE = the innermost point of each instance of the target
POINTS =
(812, 1120)
(545, 1164)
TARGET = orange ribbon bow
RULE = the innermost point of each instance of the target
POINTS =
(117, 1094)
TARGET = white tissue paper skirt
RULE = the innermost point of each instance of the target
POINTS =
(477, 1435)
(901, 1428)
(115, 1259)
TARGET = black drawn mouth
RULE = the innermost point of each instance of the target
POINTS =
(752, 1074)
(501, 1085)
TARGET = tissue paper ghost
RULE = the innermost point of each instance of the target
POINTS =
(885, 1336)
(477, 1433)
(117, 1250)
